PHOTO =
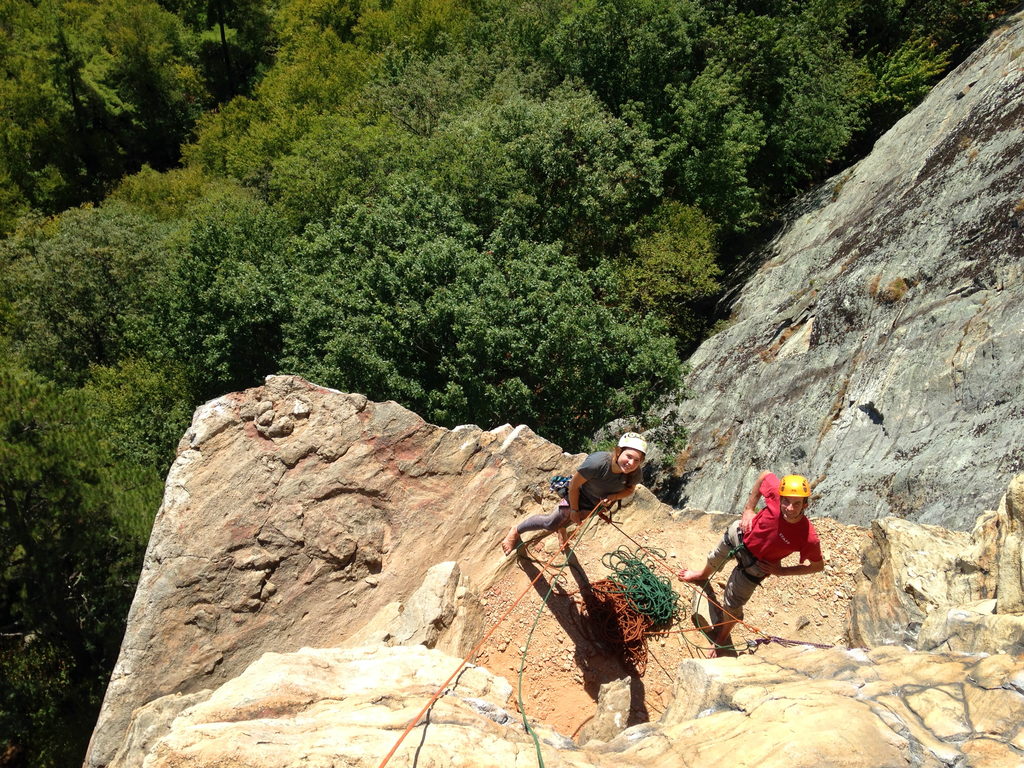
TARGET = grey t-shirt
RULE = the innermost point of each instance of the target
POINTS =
(601, 481)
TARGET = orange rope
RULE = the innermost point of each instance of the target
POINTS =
(476, 649)
(622, 623)
(664, 563)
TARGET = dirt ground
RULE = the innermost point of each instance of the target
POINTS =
(567, 654)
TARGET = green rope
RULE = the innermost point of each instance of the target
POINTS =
(702, 595)
(529, 637)
(649, 594)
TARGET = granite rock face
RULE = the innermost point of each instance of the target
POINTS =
(877, 347)
(785, 708)
(299, 516)
(940, 590)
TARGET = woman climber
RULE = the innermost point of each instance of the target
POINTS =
(605, 476)
(759, 541)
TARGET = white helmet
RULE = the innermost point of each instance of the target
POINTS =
(633, 440)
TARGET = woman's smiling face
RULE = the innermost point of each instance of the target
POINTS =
(630, 459)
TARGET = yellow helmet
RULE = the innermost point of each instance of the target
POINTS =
(795, 485)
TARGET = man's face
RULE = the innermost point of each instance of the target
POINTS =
(792, 507)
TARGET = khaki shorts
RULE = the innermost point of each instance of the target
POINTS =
(740, 586)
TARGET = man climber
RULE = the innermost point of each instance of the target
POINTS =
(759, 541)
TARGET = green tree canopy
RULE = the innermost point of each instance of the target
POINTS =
(72, 524)
(93, 89)
(81, 287)
(399, 298)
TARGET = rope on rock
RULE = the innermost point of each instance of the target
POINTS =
(650, 595)
(629, 604)
(659, 559)
(472, 654)
(751, 645)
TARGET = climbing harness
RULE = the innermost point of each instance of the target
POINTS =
(745, 558)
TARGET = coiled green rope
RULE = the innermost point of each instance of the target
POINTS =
(649, 595)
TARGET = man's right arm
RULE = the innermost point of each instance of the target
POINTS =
(750, 508)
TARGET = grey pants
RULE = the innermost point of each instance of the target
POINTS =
(550, 522)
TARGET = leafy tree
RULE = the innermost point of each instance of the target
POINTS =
(673, 270)
(824, 101)
(37, 725)
(398, 299)
(239, 44)
(221, 303)
(903, 79)
(138, 59)
(427, 26)
(93, 89)
(317, 76)
(172, 196)
(73, 523)
(625, 50)
(49, 158)
(561, 168)
(338, 159)
(144, 406)
(80, 287)
(954, 27)
(716, 139)
(808, 89)
(517, 29)
(420, 93)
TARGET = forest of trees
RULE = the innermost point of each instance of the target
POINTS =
(489, 211)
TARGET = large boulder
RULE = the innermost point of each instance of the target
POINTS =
(875, 347)
(785, 708)
(935, 589)
(300, 516)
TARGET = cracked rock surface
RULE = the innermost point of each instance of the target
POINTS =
(784, 708)
(876, 346)
(300, 516)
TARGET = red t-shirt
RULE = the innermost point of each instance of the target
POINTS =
(771, 538)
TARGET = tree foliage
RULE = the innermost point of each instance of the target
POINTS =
(488, 210)
(399, 298)
(72, 519)
(672, 271)
(94, 90)
(221, 300)
(81, 287)
(626, 50)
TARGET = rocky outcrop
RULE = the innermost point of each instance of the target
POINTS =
(785, 708)
(299, 516)
(315, 570)
(877, 347)
(935, 589)
(442, 613)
